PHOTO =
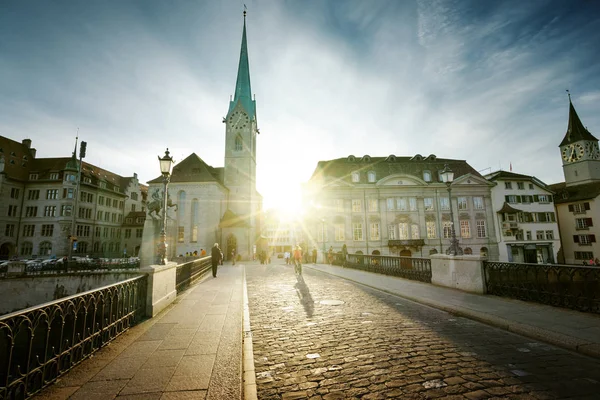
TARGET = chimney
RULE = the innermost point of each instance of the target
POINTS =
(26, 143)
(32, 152)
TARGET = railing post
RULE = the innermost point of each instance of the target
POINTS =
(459, 272)
(161, 289)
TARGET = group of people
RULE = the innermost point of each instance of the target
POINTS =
(194, 253)
(595, 262)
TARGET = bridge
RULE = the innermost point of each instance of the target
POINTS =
(369, 327)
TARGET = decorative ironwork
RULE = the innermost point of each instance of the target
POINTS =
(189, 272)
(414, 268)
(39, 344)
(569, 286)
(73, 266)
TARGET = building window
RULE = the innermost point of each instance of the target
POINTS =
(507, 185)
(544, 198)
(68, 193)
(375, 233)
(584, 255)
(101, 200)
(427, 176)
(28, 230)
(414, 231)
(444, 204)
(412, 203)
(521, 185)
(33, 195)
(339, 205)
(583, 223)
(139, 233)
(50, 211)
(48, 230)
(97, 234)
(12, 211)
(391, 232)
(340, 234)
(539, 235)
(390, 204)
(356, 205)
(403, 231)
(26, 248)
(66, 210)
(430, 225)
(127, 233)
(355, 177)
(549, 235)
(465, 229)
(447, 229)
(481, 228)
(54, 176)
(238, 143)
(180, 234)
(51, 194)
(31, 211)
(511, 198)
(9, 230)
(371, 176)
(14, 193)
(70, 177)
(33, 177)
(373, 205)
(584, 240)
(579, 208)
(357, 231)
(401, 204)
(462, 203)
(428, 203)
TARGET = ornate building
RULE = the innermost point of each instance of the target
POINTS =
(219, 204)
(40, 207)
(577, 200)
(398, 206)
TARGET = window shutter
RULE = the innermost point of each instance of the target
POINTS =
(536, 198)
(576, 238)
(592, 238)
(506, 199)
(550, 198)
(588, 222)
(571, 208)
(586, 206)
(64, 193)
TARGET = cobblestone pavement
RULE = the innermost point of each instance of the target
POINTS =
(376, 346)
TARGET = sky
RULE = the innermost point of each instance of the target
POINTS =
(482, 81)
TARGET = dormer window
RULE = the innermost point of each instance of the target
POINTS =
(54, 175)
(33, 177)
(366, 158)
(371, 176)
(391, 158)
(355, 177)
(427, 176)
(351, 158)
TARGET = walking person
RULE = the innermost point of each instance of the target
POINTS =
(330, 255)
(217, 256)
(298, 260)
(314, 255)
(344, 255)
(233, 256)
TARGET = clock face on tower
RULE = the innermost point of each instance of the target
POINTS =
(239, 119)
(573, 152)
(591, 149)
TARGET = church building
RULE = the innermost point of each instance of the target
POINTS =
(217, 205)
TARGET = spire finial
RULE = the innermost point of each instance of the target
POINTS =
(569, 94)
(245, 11)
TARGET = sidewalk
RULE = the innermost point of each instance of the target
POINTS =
(192, 350)
(573, 330)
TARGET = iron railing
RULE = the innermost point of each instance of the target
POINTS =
(576, 287)
(190, 271)
(89, 265)
(39, 344)
(414, 268)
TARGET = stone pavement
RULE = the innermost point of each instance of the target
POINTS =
(573, 330)
(192, 350)
(321, 337)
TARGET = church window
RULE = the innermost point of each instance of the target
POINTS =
(238, 143)
(180, 234)
(194, 221)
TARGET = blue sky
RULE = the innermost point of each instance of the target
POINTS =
(477, 80)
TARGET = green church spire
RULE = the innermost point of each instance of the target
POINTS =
(243, 92)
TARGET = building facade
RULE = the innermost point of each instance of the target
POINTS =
(219, 205)
(398, 206)
(526, 224)
(577, 199)
(42, 212)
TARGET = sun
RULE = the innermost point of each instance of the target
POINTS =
(287, 204)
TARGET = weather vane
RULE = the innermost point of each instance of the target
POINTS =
(245, 10)
(569, 94)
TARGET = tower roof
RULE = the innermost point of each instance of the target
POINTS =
(575, 130)
(243, 91)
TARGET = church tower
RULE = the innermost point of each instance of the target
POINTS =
(241, 130)
(579, 152)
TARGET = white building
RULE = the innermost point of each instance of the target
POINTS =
(526, 225)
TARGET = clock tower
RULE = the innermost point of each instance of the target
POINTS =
(579, 151)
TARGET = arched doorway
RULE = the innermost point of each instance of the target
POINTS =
(231, 246)
(6, 250)
(405, 253)
(376, 253)
(433, 251)
(468, 251)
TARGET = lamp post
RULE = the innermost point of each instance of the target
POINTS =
(447, 177)
(323, 239)
(165, 169)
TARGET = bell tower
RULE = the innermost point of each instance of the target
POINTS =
(579, 152)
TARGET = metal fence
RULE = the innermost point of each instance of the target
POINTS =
(576, 287)
(190, 271)
(414, 268)
(39, 344)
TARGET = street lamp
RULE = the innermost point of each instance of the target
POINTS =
(447, 177)
(165, 169)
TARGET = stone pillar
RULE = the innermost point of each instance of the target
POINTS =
(458, 272)
(161, 287)
(15, 268)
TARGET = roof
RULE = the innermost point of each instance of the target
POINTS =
(193, 169)
(243, 91)
(575, 130)
(231, 219)
(17, 158)
(342, 168)
(506, 208)
(569, 194)
(506, 175)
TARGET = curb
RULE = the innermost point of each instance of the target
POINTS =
(580, 346)
(248, 373)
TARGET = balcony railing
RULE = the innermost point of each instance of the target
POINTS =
(39, 344)
(190, 271)
(414, 268)
(576, 287)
